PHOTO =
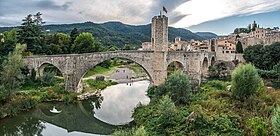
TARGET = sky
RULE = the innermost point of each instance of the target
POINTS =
(218, 16)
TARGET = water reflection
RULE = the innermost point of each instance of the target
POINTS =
(81, 119)
(120, 100)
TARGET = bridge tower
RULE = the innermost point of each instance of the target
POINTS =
(159, 42)
(160, 33)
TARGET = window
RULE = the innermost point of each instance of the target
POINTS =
(227, 51)
(223, 51)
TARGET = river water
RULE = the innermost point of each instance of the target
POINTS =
(96, 116)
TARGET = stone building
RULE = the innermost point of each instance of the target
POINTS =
(146, 46)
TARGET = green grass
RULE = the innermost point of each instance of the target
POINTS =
(97, 84)
(98, 70)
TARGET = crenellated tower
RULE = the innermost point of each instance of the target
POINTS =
(159, 37)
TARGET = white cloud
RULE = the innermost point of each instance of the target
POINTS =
(69, 11)
(128, 11)
(200, 11)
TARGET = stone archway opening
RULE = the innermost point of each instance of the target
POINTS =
(174, 66)
(213, 61)
(114, 70)
(50, 75)
(205, 67)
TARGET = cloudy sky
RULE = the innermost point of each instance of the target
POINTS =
(219, 16)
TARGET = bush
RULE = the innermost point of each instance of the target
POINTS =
(276, 121)
(177, 86)
(131, 132)
(258, 125)
(268, 74)
(47, 78)
(217, 84)
(3, 95)
(246, 82)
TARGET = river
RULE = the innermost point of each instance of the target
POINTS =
(96, 116)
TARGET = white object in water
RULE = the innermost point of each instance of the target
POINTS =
(54, 110)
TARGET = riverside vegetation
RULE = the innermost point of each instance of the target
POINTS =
(249, 109)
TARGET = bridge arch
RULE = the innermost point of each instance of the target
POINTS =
(204, 66)
(91, 64)
(213, 60)
(41, 67)
(175, 65)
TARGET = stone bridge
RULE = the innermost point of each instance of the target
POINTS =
(74, 66)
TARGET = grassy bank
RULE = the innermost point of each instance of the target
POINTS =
(32, 93)
(98, 70)
(97, 84)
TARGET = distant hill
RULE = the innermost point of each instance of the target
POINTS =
(119, 34)
(207, 35)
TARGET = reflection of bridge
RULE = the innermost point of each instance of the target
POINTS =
(154, 62)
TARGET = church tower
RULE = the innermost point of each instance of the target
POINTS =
(160, 33)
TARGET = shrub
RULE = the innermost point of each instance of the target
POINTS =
(47, 78)
(268, 74)
(131, 132)
(3, 95)
(177, 86)
(217, 84)
(276, 121)
(258, 125)
(246, 81)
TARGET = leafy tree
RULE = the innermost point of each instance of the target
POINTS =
(113, 48)
(246, 82)
(263, 57)
(128, 47)
(10, 40)
(7, 45)
(47, 78)
(31, 33)
(276, 121)
(239, 47)
(84, 43)
(177, 86)
(58, 43)
(11, 76)
(74, 33)
(166, 117)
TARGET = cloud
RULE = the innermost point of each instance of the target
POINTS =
(69, 11)
(200, 11)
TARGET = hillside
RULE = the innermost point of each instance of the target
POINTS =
(117, 33)
(207, 35)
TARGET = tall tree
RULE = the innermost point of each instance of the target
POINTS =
(84, 43)
(31, 33)
(74, 33)
(11, 76)
(239, 48)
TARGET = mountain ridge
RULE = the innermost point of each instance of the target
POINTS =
(116, 33)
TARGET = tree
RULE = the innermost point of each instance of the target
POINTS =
(58, 43)
(177, 86)
(239, 47)
(128, 47)
(276, 121)
(10, 40)
(84, 43)
(11, 76)
(31, 33)
(246, 81)
(74, 33)
(263, 57)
